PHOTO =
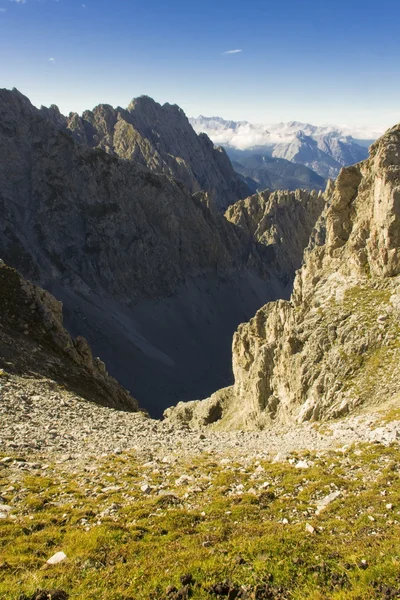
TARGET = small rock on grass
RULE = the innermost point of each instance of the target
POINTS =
(56, 558)
(187, 579)
(309, 528)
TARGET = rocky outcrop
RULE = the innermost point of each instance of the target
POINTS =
(160, 138)
(335, 345)
(33, 341)
(282, 222)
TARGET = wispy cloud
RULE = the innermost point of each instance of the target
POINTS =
(52, 60)
(3, 10)
(232, 51)
(19, 1)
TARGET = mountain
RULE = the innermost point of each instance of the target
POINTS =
(160, 138)
(334, 346)
(324, 149)
(33, 342)
(261, 172)
(155, 278)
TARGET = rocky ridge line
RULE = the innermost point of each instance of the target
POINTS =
(161, 139)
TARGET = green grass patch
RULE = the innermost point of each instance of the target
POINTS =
(245, 523)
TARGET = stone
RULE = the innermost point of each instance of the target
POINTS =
(309, 528)
(324, 502)
(187, 579)
(302, 464)
(47, 595)
(56, 558)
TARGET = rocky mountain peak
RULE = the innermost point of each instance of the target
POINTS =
(161, 138)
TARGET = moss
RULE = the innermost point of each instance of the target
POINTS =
(371, 363)
(140, 546)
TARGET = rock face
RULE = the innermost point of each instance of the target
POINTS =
(335, 345)
(153, 276)
(160, 138)
(282, 221)
(33, 340)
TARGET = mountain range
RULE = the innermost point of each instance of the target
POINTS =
(112, 213)
(150, 273)
(324, 149)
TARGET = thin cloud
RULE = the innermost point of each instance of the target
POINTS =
(232, 51)
(52, 60)
(3, 10)
(19, 1)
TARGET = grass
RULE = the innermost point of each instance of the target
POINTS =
(122, 544)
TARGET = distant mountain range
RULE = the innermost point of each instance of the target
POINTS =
(323, 149)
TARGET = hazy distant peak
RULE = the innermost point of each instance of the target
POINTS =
(324, 149)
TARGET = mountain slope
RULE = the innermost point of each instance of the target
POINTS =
(160, 138)
(335, 345)
(34, 343)
(282, 222)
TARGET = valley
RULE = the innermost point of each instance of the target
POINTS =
(199, 391)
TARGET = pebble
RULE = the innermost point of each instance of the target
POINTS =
(321, 504)
(57, 558)
(302, 464)
(309, 528)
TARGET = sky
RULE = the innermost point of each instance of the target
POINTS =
(264, 61)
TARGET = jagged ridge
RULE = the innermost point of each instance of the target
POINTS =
(160, 138)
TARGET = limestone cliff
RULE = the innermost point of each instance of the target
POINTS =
(282, 221)
(160, 138)
(33, 341)
(335, 345)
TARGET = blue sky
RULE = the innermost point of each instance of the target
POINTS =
(317, 61)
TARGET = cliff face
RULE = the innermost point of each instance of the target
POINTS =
(34, 342)
(335, 345)
(281, 222)
(160, 138)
